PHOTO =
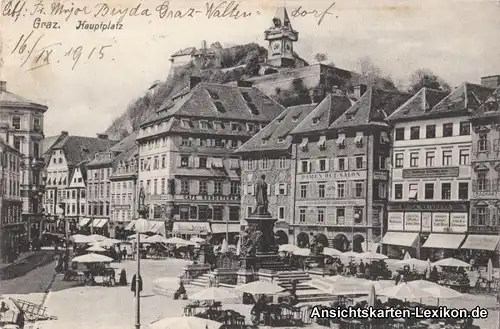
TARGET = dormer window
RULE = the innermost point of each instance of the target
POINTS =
(264, 141)
(281, 117)
(491, 106)
(204, 124)
(185, 123)
(296, 117)
(220, 107)
(262, 127)
(303, 144)
(218, 125)
(250, 127)
(315, 121)
(341, 141)
(358, 140)
(281, 139)
(250, 103)
(322, 142)
(235, 126)
(213, 94)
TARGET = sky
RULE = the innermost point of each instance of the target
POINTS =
(456, 39)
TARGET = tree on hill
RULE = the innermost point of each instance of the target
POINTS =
(320, 57)
(372, 75)
(426, 78)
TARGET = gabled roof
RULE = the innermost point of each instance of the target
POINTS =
(113, 152)
(330, 108)
(217, 101)
(12, 100)
(277, 133)
(185, 51)
(465, 98)
(419, 105)
(372, 108)
(490, 108)
(77, 148)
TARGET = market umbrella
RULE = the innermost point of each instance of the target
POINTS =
(442, 292)
(224, 248)
(288, 247)
(176, 240)
(404, 292)
(304, 252)
(340, 285)
(260, 287)
(97, 237)
(350, 254)
(413, 262)
(371, 296)
(489, 271)
(407, 256)
(331, 252)
(371, 255)
(96, 248)
(380, 284)
(197, 239)
(451, 262)
(112, 241)
(422, 284)
(214, 293)
(92, 258)
(80, 238)
(155, 239)
(184, 322)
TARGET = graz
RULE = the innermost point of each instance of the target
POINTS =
(39, 24)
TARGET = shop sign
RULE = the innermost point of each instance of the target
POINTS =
(335, 176)
(431, 172)
(208, 197)
(486, 195)
(191, 227)
(380, 175)
(440, 221)
(428, 206)
(426, 222)
(395, 221)
(458, 221)
(412, 221)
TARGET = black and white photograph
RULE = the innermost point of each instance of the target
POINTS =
(219, 164)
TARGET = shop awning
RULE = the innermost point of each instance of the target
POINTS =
(84, 221)
(95, 222)
(221, 228)
(444, 241)
(157, 227)
(191, 228)
(101, 223)
(130, 226)
(481, 242)
(405, 239)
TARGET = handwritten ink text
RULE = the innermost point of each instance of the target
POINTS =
(320, 15)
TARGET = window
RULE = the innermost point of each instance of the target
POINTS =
(482, 143)
(163, 186)
(249, 164)
(321, 190)
(382, 161)
(264, 163)
(281, 213)
(400, 134)
(220, 143)
(322, 164)
(203, 162)
(359, 189)
(413, 191)
(398, 191)
(217, 187)
(203, 187)
(249, 189)
(398, 163)
(282, 189)
(204, 213)
(340, 215)
(481, 215)
(184, 212)
(235, 188)
(446, 191)
(430, 131)
(235, 127)
(359, 163)
(283, 162)
(464, 157)
(303, 191)
(184, 186)
(482, 182)
(341, 162)
(234, 143)
(321, 215)
(36, 150)
(193, 212)
(17, 144)
(448, 130)
(463, 191)
(414, 132)
(447, 158)
(155, 186)
(186, 141)
(358, 215)
(429, 191)
(430, 158)
(184, 160)
(464, 128)
(204, 124)
(340, 189)
(414, 159)
(382, 190)
(249, 211)
(16, 122)
(304, 166)
(163, 161)
(156, 163)
(218, 213)
(302, 215)
(234, 214)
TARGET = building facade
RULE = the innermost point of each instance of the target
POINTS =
(25, 119)
(341, 177)
(12, 227)
(186, 162)
(484, 225)
(431, 172)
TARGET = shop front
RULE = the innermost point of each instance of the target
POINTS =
(438, 228)
(100, 226)
(188, 229)
(482, 248)
(220, 230)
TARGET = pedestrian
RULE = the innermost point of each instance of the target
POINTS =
(133, 285)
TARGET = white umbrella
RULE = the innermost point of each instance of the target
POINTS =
(371, 255)
(156, 239)
(451, 262)
(441, 292)
(184, 322)
(112, 241)
(407, 256)
(404, 292)
(96, 248)
(214, 293)
(304, 252)
(238, 248)
(350, 254)
(97, 237)
(260, 287)
(340, 285)
(92, 258)
(80, 238)
(197, 239)
(176, 240)
(143, 237)
(489, 271)
(225, 247)
(413, 262)
(331, 252)
(288, 247)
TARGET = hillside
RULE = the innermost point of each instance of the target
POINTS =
(229, 64)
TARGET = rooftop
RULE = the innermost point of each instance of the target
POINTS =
(9, 99)
(78, 148)
(419, 105)
(490, 108)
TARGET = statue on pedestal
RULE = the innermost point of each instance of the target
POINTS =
(262, 202)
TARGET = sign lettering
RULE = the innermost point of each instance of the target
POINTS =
(431, 172)
(440, 221)
(208, 197)
(487, 195)
(458, 222)
(426, 222)
(335, 176)
(380, 175)
(395, 221)
(412, 221)
(423, 206)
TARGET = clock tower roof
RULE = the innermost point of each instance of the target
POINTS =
(282, 15)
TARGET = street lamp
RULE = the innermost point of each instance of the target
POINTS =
(141, 226)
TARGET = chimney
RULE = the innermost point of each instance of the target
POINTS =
(102, 136)
(193, 81)
(243, 83)
(3, 86)
(359, 91)
(492, 81)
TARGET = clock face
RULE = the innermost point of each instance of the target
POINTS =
(288, 46)
(276, 45)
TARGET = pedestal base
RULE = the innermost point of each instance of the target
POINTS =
(245, 276)
(319, 272)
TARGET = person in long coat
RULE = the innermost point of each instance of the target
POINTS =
(132, 286)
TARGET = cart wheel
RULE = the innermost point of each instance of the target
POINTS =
(31, 317)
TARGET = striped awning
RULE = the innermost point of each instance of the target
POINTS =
(130, 226)
(157, 228)
(99, 222)
(444, 241)
(223, 228)
(84, 221)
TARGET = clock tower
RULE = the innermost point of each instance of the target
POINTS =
(281, 37)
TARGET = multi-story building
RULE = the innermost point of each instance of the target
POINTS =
(12, 228)
(484, 225)
(431, 173)
(124, 191)
(341, 178)
(186, 162)
(26, 119)
(269, 153)
(99, 172)
(65, 179)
